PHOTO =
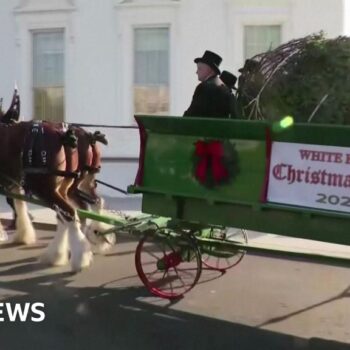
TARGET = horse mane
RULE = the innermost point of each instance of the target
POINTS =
(1, 110)
(13, 113)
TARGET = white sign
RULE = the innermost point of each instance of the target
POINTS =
(310, 175)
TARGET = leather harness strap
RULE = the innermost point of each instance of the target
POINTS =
(35, 154)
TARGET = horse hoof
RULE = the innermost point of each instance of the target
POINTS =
(107, 243)
(4, 237)
(87, 259)
(23, 240)
(58, 259)
(100, 241)
(83, 262)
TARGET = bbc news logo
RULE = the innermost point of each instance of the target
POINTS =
(14, 312)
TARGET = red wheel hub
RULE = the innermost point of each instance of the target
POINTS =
(169, 260)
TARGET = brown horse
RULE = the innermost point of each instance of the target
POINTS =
(40, 155)
(81, 189)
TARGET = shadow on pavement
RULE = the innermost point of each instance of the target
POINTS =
(108, 318)
(344, 294)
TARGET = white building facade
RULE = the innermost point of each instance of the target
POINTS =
(102, 61)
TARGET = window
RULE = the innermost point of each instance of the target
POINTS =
(48, 75)
(262, 38)
(151, 71)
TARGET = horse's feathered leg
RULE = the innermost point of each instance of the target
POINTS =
(81, 253)
(25, 232)
(88, 185)
(72, 196)
(102, 243)
(3, 234)
(98, 206)
(56, 253)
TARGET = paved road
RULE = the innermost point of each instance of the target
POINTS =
(266, 302)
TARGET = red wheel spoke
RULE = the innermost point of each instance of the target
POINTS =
(153, 255)
(171, 286)
(171, 247)
(153, 272)
(183, 283)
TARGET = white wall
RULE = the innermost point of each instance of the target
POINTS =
(30, 16)
(310, 16)
(94, 58)
(8, 68)
(202, 25)
(346, 17)
(99, 51)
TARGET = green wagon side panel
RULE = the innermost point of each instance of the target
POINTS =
(171, 172)
(170, 189)
(278, 219)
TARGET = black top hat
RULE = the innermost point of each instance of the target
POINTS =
(228, 79)
(211, 59)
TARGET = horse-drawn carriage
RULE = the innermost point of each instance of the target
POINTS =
(199, 176)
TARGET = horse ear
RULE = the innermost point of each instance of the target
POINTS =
(98, 136)
(70, 139)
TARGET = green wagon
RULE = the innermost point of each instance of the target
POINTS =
(208, 174)
(204, 181)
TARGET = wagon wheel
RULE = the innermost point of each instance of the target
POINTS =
(169, 265)
(222, 259)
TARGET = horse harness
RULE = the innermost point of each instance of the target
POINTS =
(35, 153)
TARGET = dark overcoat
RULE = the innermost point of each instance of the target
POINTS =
(210, 99)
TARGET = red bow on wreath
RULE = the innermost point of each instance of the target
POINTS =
(210, 154)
